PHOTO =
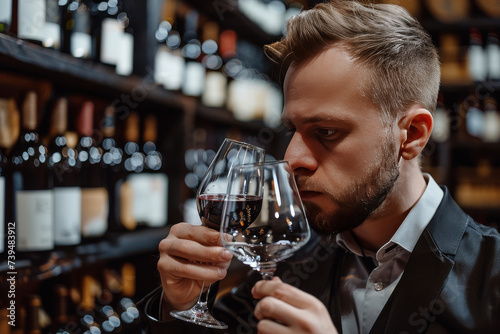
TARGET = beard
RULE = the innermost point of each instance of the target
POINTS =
(363, 197)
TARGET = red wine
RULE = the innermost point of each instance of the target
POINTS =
(242, 209)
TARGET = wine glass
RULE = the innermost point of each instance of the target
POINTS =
(263, 219)
(210, 197)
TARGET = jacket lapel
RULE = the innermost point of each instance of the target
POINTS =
(410, 307)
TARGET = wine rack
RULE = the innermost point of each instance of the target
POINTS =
(26, 66)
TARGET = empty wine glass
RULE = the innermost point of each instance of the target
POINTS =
(210, 197)
(263, 219)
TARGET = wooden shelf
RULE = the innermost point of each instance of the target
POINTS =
(30, 59)
(38, 266)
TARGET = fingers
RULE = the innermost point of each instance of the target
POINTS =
(200, 234)
(271, 327)
(286, 309)
(272, 308)
(179, 268)
(194, 243)
(285, 292)
(192, 252)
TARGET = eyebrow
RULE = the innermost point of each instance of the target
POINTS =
(315, 119)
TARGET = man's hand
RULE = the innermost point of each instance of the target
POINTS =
(286, 309)
(188, 256)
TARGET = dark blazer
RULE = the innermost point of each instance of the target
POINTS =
(451, 283)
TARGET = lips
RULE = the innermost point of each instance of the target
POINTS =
(307, 194)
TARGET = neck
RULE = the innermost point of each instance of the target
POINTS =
(381, 225)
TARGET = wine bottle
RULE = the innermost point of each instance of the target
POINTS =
(33, 199)
(169, 65)
(60, 317)
(67, 192)
(477, 62)
(194, 74)
(81, 42)
(126, 307)
(111, 160)
(31, 20)
(493, 56)
(491, 131)
(132, 162)
(215, 92)
(150, 188)
(111, 32)
(441, 131)
(90, 288)
(95, 199)
(52, 28)
(125, 50)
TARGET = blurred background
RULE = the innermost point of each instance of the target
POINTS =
(110, 112)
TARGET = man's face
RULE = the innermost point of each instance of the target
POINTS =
(345, 161)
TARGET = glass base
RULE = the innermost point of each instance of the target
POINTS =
(200, 316)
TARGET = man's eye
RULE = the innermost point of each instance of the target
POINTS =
(326, 132)
(290, 131)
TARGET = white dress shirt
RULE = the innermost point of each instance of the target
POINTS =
(363, 294)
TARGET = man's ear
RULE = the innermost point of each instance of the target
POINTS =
(415, 129)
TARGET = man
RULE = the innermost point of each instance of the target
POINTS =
(394, 253)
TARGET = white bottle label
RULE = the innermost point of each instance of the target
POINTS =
(491, 126)
(215, 89)
(81, 44)
(441, 131)
(112, 31)
(35, 220)
(67, 215)
(31, 19)
(2, 213)
(95, 210)
(194, 81)
(150, 195)
(124, 64)
(6, 11)
(169, 68)
(493, 53)
(477, 64)
(51, 35)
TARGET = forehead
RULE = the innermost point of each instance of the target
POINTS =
(328, 85)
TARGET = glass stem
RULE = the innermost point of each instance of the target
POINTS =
(267, 271)
(202, 304)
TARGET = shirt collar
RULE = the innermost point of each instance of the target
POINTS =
(410, 229)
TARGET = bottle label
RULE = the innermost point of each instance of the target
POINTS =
(95, 210)
(169, 69)
(150, 195)
(81, 45)
(6, 11)
(112, 31)
(35, 220)
(2, 213)
(67, 215)
(194, 81)
(215, 89)
(31, 14)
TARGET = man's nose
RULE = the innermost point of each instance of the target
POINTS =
(299, 154)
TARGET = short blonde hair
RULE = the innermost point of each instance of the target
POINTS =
(403, 61)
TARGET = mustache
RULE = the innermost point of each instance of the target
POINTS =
(304, 183)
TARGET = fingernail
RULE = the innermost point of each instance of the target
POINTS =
(226, 255)
(221, 272)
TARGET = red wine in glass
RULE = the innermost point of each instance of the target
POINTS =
(243, 209)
